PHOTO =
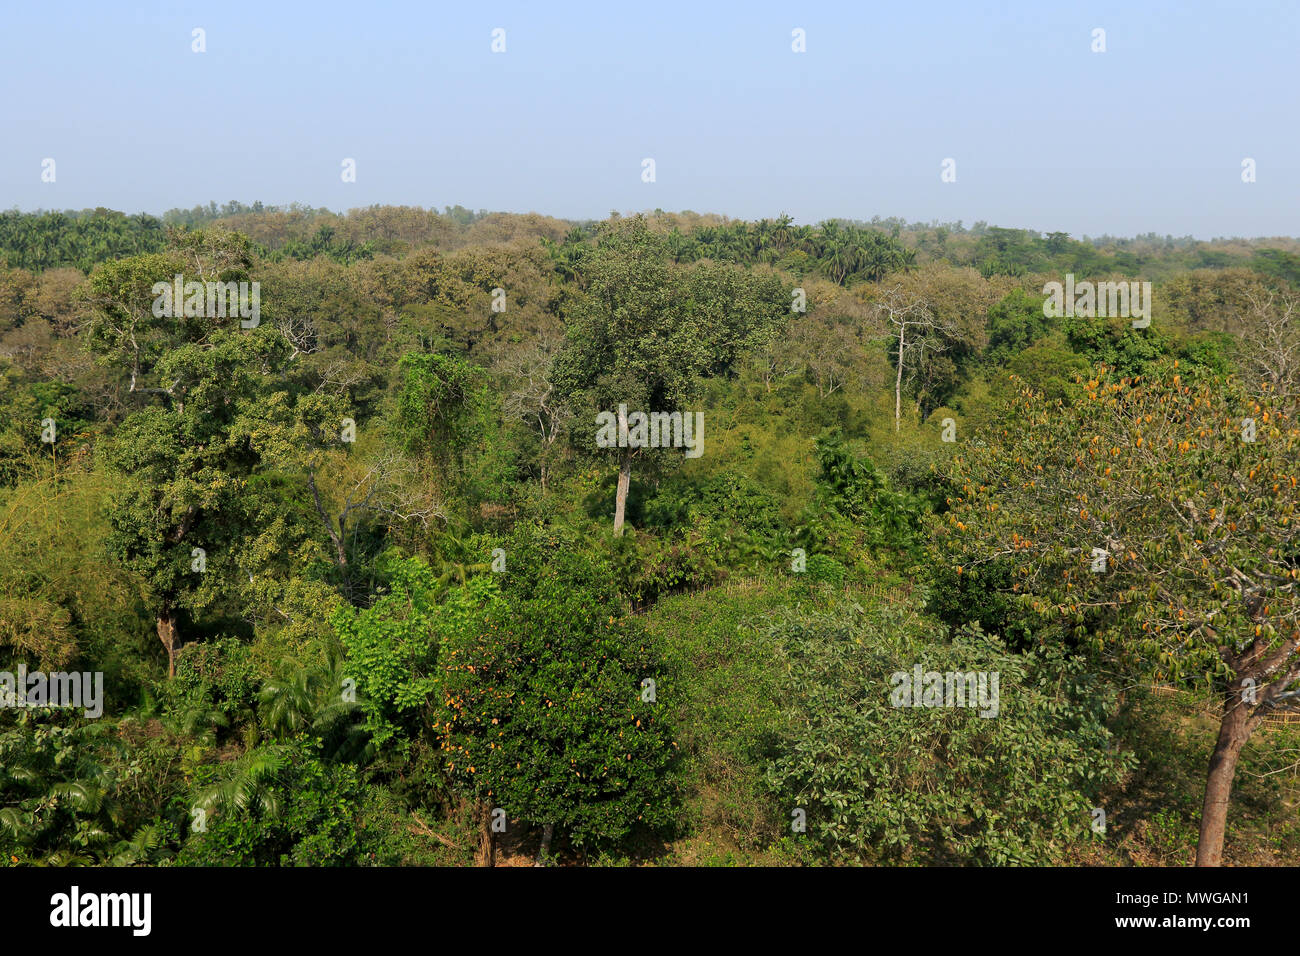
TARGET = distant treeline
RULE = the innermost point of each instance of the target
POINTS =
(845, 251)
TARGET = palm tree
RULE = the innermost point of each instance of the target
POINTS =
(248, 783)
(314, 700)
(782, 234)
(60, 801)
(144, 848)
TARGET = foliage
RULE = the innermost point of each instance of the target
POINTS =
(855, 488)
(279, 806)
(349, 635)
(392, 647)
(879, 781)
(540, 707)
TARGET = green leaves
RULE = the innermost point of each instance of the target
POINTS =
(539, 707)
(646, 331)
(278, 805)
(935, 784)
(855, 488)
(392, 647)
(61, 800)
(438, 402)
(208, 401)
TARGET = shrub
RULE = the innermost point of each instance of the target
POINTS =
(824, 568)
(936, 784)
(539, 701)
(278, 806)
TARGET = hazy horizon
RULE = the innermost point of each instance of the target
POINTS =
(440, 209)
(1046, 134)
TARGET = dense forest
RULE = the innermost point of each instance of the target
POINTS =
(369, 583)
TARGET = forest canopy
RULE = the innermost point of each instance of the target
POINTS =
(366, 586)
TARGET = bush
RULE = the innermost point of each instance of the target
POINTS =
(539, 701)
(647, 568)
(853, 487)
(731, 500)
(279, 806)
(725, 701)
(215, 688)
(391, 648)
(936, 784)
(826, 569)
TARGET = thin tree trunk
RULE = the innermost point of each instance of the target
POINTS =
(548, 832)
(487, 850)
(1233, 732)
(624, 478)
(340, 551)
(167, 634)
(898, 382)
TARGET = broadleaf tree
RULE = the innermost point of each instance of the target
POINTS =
(1154, 519)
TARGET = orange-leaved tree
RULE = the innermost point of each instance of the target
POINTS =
(1155, 517)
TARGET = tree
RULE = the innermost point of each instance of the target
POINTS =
(1014, 324)
(532, 397)
(999, 791)
(392, 647)
(184, 456)
(630, 344)
(1272, 344)
(909, 313)
(540, 698)
(1156, 519)
(438, 401)
(646, 333)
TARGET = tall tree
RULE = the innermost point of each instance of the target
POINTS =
(646, 332)
(185, 453)
(1156, 518)
(921, 336)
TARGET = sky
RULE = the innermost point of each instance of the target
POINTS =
(1045, 133)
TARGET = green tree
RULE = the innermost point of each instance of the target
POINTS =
(185, 455)
(1156, 520)
(881, 779)
(541, 700)
(646, 333)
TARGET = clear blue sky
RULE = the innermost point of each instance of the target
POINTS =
(1148, 136)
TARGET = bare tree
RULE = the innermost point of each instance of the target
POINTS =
(920, 333)
(300, 332)
(532, 397)
(341, 375)
(828, 349)
(389, 485)
(776, 360)
(1272, 341)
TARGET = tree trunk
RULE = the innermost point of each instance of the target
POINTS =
(624, 482)
(1233, 732)
(167, 634)
(340, 552)
(898, 382)
(487, 850)
(548, 832)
